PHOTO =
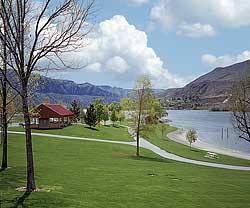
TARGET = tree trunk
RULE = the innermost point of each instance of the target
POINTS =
(4, 111)
(4, 126)
(138, 131)
(138, 143)
(30, 164)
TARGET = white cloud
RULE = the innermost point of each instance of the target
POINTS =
(117, 64)
(196, 30)
(171, 14)
(137, 2)
(224, 60)
(118, 49)
(96, 67)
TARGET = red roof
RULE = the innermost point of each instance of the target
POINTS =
(53, 111)
(59, 109)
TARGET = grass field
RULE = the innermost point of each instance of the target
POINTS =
(117, 133)
(90, 174)
(153, 133)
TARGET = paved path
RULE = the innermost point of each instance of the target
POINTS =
(147, 145)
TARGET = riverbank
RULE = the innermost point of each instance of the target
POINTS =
(180, 136)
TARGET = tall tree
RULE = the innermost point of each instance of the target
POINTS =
(240, 106)
(142, 95)
(76, 109)
(90, 116)
(4, 96)
(4, 125)
(99, 108)
(32, 35)
(8, 108)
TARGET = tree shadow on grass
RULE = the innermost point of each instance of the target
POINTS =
(91, 128)
(10, 179)
(20, 201)
(195, 150)
(17, 201)
(150, 159)
(2, 169)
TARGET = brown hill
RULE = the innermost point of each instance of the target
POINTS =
(214, 87)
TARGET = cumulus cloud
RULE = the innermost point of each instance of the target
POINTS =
(224, 60)
(119, 49)
(196, 30)
(171, 14)
(117, 64)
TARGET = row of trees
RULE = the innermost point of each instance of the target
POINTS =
(97, 112)
(34, 39)
(141, 106)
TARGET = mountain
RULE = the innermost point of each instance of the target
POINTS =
(65, 91)
(214, 87)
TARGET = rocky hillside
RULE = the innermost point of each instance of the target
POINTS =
(213, 87)
(65, 91)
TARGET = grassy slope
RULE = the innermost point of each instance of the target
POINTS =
(91, 174)
(117, 133)
(153, 134)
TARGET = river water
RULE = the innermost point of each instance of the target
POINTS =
(214, 128)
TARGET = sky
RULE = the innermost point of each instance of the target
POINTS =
(172, 41)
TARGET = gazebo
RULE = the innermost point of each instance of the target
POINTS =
(51, 116)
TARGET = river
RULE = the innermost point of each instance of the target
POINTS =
(214, 128)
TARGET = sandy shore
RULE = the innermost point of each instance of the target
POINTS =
(180, 136)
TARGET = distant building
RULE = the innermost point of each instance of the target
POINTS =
(51, 116)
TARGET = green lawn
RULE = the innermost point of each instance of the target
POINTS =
(153, 133)
(108, 132)
(91, 174)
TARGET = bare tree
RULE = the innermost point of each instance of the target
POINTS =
(3, 94)
(142, 95)
(7, 98)
(241, 107)
(38, 32)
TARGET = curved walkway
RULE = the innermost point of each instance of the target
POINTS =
(147, 145)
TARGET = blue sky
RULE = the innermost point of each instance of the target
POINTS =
(178, 40)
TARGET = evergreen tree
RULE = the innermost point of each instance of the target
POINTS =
(90, 116)
(76, 109)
